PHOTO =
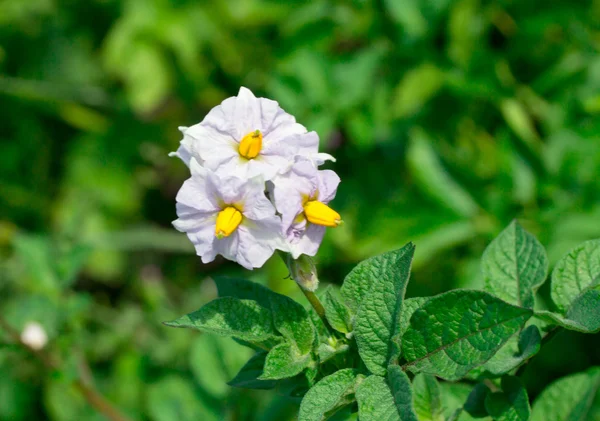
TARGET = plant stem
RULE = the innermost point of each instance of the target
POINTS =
(83, 383)
(319, 309)
(315, 302)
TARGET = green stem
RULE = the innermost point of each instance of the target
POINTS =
(319, 309)
(315, 302)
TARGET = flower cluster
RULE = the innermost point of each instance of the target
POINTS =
(255, 186)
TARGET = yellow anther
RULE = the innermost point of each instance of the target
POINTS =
(251, 145)
(227, 221)
(320, 214)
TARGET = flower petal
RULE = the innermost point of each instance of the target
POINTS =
(309, 242)
(246, 113)
(200, 228)
(196, 192)
(256, 205)
(328, 184)
(258, 241)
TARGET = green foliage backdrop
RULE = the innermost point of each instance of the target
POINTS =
(448, 119)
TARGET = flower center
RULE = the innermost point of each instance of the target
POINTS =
(251, 145)
(320, 214)
(227, 221)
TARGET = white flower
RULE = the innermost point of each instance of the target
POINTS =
(227, 216)
(34, 336)
(246, 137)
(301, 197)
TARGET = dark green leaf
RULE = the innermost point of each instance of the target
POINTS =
(572, 398)
(409, 306)
(515, 266)
(292, 321)
(427, 398)
(327, 394)
(289, 317)
(512, 404)
(575, 273)
(459, 330)
(358, 283)
(338, 315)
(475, 403)
(515, 352)
(583, 315)
(228, 316)
(377, 323)
(284, 361)
(391, 401)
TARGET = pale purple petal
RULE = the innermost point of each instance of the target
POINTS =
(308, 243)
(255, 203)
(328, 184)
(228, 190)
(228, 248)
(246, 114)
(196, 192)
(199, 228)
(282, 127)
(258, 241)
(289, 192)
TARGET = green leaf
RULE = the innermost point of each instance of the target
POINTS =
(515, 265)
(327, 351)
(427, 398)
(327, 395)
(228, 316)
(575, 273)
(583, 315)
(454, 396)
(358, 283)
(572, 398)
(338, 315)
(457, 331)
(284, 361)
(289, 317)
(515, 352)
(292, 321)
(391, 401)
(512, 404)
(475, 403)
(409, 306)
(248, 376)
(377, 323)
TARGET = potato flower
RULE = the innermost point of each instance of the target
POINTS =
(228, 216)
(247, 137)
(301, 197)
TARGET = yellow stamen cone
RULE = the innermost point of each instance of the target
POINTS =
(320, 214)
(227, 222)
(251, 145)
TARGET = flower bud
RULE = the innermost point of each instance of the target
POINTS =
(303, 271)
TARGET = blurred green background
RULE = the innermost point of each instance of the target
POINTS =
(448, 119)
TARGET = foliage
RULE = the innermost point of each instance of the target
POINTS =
(453, 336)
(448, 121)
